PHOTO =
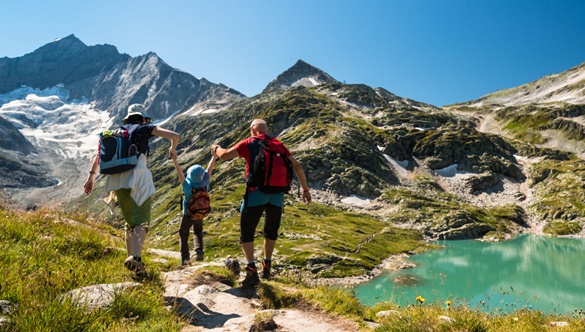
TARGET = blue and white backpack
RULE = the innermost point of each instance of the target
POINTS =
(117, 151)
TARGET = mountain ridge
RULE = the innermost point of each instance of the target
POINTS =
(354, 141)
(89, 80)
(565, 87)
(111, 79)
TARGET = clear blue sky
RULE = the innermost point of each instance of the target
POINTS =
(438, 52)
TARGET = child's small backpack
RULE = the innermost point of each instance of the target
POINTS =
(117, 152)
(199, 204)
(270, 170)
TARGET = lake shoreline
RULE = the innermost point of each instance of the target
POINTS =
(392, 263)
(400, 261)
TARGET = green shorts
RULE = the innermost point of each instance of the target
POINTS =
(133, 214)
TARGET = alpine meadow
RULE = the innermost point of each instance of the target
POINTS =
(389, 176)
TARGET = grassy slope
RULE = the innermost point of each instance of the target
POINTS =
(338, 147)
(327, 241)
(46, 253)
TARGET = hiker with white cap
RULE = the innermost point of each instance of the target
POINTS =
(133, 189)
(195, 207)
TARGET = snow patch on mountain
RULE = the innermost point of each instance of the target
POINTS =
(399, 166)
(47, 118)
(305, 81)
(23, 92)
(65, 133)
(356, 200)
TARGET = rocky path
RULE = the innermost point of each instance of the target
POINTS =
(213, 306)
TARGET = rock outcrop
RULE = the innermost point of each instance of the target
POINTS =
(12, 139)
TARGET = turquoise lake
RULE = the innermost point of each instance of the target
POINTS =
(534, 272)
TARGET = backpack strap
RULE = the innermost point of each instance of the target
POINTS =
(131, 127)
(254, 148)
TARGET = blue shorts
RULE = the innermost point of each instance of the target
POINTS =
(256, 198)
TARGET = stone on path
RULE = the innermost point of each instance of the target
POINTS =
(98, 296)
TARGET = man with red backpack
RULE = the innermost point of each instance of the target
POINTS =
(269, 165)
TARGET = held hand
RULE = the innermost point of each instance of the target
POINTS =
(214, 148)
(172, 153)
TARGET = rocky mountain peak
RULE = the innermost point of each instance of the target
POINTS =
(65, 46)
(64, 61)
(301, 74)
(85, 82)
(566, 87)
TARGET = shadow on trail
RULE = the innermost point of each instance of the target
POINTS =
(199, 314)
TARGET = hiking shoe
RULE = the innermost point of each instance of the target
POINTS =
(266, 267)
(185, 262)
(252, 278)
(198, 255)
(233, 266)
(134, 265)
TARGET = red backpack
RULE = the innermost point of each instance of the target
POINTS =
(199, 205)
(270, 169)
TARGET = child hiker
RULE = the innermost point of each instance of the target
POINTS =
(195, 206)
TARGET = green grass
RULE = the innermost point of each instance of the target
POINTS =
(563, 228)
(440, 317)
(525, 127)
(527, 122)
(46, 253)
(293, 290)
